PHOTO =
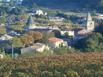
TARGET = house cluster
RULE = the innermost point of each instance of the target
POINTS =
(32, 24)
(53, 42)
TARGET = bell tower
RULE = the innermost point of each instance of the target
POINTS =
(89, 23)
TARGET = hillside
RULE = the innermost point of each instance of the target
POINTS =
(67, 4)
(71, 65)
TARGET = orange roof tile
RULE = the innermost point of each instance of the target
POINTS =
(54, 39)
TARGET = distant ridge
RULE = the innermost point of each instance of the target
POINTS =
(67, 4)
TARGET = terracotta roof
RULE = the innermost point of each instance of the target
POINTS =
(54, 39)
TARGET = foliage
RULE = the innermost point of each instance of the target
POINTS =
(62, 51)
(35, 35)
(46, 36)
(31, 37)
(93, 43)
(67, 4)
(2, 20)
(17, 10)
(70, 65)
(16, 41)
(72, 74)
(99, 28)
(16, 27)
(2, 30)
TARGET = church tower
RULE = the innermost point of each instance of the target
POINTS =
(30, 23)
(89, 23)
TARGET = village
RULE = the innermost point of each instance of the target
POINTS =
(51, 38)
(37, 31)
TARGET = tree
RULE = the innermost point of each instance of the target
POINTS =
(92, 43)
(2, 30)
(16, 41)
(99, 28)
(35, 35)
(2, 20)
(46, 36)
(31, 37)
(17, 10)
(26, 40)
(101, 3)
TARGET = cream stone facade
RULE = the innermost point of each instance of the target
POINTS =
(56, 42)
(89, 23)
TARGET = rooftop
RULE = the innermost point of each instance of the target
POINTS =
(37, 45)
(54, 39)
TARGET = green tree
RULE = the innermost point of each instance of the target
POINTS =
(99, 28)
(2, 30)
(16, 41)
(35, 35)
(101, 3)
(2, 20)
(26, 40)
(92, 43)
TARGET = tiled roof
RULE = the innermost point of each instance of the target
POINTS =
(54, 39)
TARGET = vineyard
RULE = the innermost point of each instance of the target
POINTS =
(69, 65)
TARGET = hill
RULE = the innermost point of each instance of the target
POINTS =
(69, 65)
(67, 4)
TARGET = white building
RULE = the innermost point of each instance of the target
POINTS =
(89, 26)
(89, 23)
(70, 33)
(100, 16)
(6, 37)
(39, 47)
(56, 42)
(1, 56)
(39, 12)
(56, 19)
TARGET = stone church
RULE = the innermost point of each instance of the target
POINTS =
(89, 23)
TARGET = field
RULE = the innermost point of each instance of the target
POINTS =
(69, 65)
